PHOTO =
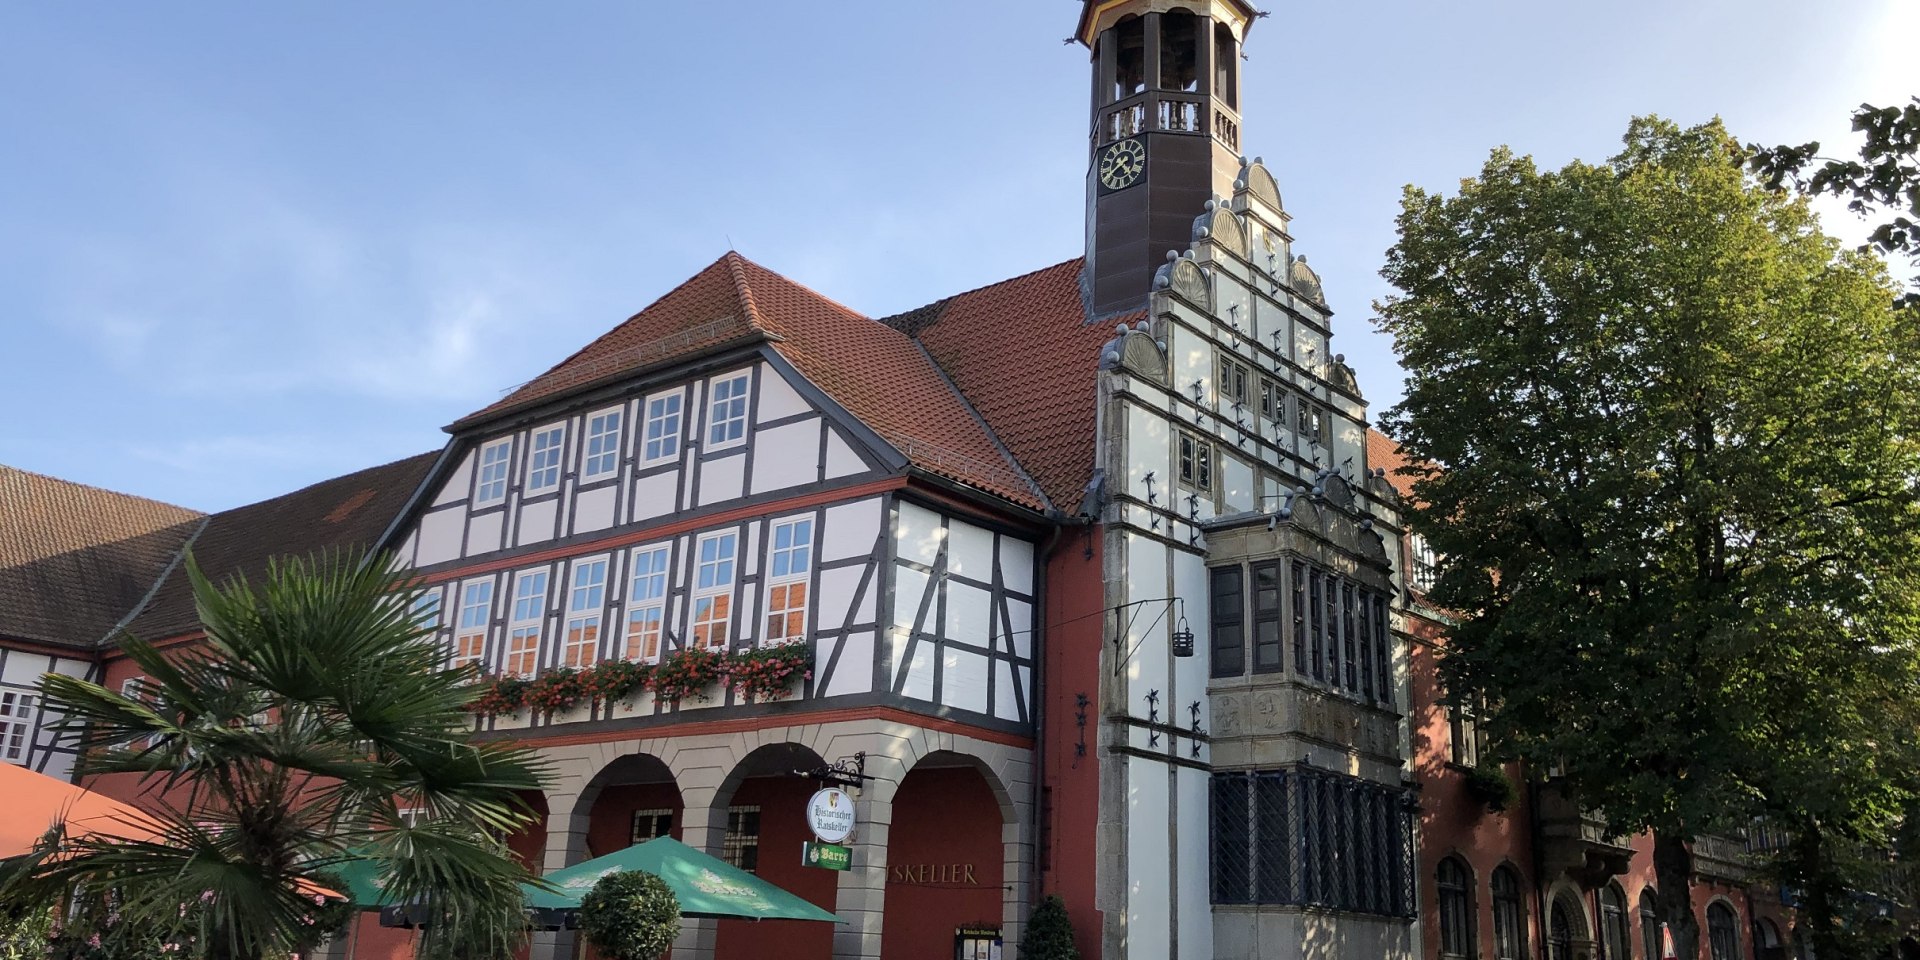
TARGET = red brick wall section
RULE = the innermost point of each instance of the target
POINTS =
(944, 863)
(1074, 602)
(1452, 823)
(783, 829)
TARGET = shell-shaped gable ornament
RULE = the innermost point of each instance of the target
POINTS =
(1186, 280)
(1223, 227)
(1303, 279)
(1260, 185)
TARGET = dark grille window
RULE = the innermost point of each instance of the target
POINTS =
(742, 844)
(1267, 655)
(1456, 908)
(651, 824)
(1229, 630)
(1509, 916)
(1307, 837)
(1232, 840)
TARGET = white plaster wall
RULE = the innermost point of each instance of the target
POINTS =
(537, 521)
(24, 669)
(1236, 483)
(1192, 868)
(854, 673)
(440, 536)
(970, 551)
(484, 533)
(654, 496)
(1149, 875)
(786, 456)
(841, 460)
(778, 399)
(963, 680)
(1147, 634)
(852, 529)
(1189, 681)
(593, 509)
(918, 535)
(722, 478)
(459, 483)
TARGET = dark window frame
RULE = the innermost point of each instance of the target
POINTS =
(1267, 635)
(1453, 883)
(1227, 625)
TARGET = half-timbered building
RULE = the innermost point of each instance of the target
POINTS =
(1094, 575)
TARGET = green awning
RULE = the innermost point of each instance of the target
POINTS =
(707, 886)
(365, 886)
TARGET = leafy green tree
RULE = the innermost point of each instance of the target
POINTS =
(1049, 933)
(630, 915)
(1670, 434)
(283, 746)
(1884, 183)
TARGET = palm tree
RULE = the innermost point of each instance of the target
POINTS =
(286, 744)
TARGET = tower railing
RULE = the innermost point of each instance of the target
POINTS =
(1164, 111)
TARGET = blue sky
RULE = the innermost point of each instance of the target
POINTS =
(245, 247)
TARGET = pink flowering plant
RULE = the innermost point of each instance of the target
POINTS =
(769, 673)
(689, 673)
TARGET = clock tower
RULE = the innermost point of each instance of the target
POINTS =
(1165, 133)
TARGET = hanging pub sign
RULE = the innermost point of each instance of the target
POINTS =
(830, 815)
(826, 856)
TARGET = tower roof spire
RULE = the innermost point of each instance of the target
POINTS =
(1097, 15)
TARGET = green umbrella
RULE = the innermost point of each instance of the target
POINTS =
(706, 886)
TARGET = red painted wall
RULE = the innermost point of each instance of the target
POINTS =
(945, 863)
(1074, 602)
(610, 824)
(783, 829)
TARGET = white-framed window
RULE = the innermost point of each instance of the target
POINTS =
(145, 692)
(490, 484)
(790, 559)
(411, 816)
(586, 602)
(646, 603)
(523, 630)
(603, 445)
(1196, 463)
(16, 725)
(1426, 564)
(470, 629)
(426, 609)
(713, 589)
(727, 411)
(660, 441)
(543, 464)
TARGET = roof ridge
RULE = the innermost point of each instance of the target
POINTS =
(985, 286)
(4, 468)
(737, 265)
(334, 479)
(575, 355)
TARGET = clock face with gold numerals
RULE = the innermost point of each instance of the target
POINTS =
(1122, 164)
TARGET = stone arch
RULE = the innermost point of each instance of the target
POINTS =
(614, 799)
(958, 852)
(1569, 933)
(756, 818)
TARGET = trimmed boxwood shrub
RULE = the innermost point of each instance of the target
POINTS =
(631, 915)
